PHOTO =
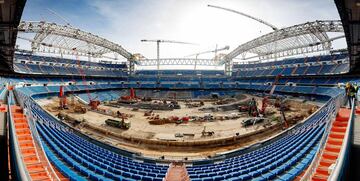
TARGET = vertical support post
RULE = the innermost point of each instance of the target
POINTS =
(131, 66)
(196, 61)
(228, 67)
(158, 55)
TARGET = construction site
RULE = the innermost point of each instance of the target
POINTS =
(177, 127)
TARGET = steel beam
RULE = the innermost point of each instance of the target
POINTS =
(44, 30)
(292, 39)
(178, 61)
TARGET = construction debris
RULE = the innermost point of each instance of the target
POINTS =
(194, 104)
(80, 109)
(252, 121)
(225, 101)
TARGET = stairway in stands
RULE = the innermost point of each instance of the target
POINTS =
(33, 157)
(177, 172)
(333, 145)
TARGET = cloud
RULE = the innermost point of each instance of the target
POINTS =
(127, 22)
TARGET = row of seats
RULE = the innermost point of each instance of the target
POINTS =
(283, 159)
(34, 64)
(85, 160)
(58, 60)
(292, 61)
(89, 160)
(291, 71)
(298, 80)
(108, 95)
(50, 80)
(60, 70)
(180, 72)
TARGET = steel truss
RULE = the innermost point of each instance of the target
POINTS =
(294, 40)
(178, 61)
(54, 38)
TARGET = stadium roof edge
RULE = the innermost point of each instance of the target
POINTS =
(9, 21)
(349, 11)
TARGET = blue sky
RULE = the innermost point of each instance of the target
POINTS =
(126, 22)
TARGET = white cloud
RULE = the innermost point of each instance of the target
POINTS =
(193, 21)
(127, 22)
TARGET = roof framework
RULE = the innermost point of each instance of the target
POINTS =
(179, 61)
(294, 40)
(54, 38)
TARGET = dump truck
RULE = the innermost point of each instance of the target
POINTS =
(122, 124)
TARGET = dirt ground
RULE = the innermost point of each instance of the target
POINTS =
(140, 127)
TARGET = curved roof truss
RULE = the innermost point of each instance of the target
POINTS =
(298, 39)
(54, 38)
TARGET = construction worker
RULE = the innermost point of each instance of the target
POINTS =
(350, 93)
(356, 89)
(252, 107)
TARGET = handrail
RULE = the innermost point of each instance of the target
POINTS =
(315, 162)
(339, 164)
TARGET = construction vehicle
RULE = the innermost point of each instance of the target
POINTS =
(224, 101)
(274, 84)
(94, 104)
(130, 99)
(62, 98)
(252, 121)
(180, 135)
(243, 108)
(264, 105)
(148, 113)
(207, 133)
(174, 105)
(123, 124)
(80, 109)
(195, 104)
(282, 111)
(282, 107)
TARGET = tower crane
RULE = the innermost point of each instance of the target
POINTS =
(158, 47)
(209, 51)
(246, 15)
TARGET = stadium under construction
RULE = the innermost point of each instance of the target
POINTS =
(282, 106)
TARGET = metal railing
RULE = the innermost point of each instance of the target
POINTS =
(338, 170)
(22, 173)
(36, 140)
(315, 162)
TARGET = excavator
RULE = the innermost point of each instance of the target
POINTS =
(130, 99)
(93, 102)
(62, 98)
